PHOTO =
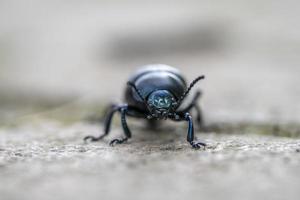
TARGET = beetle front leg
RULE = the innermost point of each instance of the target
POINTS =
(127, 131)
(190, 136)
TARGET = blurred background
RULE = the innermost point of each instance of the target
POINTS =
(55, 52)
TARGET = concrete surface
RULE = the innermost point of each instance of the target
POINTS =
(50, 161)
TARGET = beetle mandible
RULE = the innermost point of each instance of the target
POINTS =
(155, 92)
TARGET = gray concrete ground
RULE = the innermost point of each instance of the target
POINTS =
(50, 161)
(62, 61)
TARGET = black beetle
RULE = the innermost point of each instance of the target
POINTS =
(155, 92)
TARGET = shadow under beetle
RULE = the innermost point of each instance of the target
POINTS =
(155, 92)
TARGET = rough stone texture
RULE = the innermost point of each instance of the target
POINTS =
(50, 161)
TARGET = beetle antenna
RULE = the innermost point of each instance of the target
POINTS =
(136, 89)
(189, 89)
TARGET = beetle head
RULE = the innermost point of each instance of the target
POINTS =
(160, 103)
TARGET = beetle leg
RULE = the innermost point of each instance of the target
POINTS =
(107, 123)
(127, 131)
(190, 136)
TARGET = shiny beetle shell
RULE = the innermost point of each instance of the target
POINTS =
(152, 78)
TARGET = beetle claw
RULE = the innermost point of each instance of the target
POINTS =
(117, 141)
(198, 145)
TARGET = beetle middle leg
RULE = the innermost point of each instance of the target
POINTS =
(127, 131)
(108, 120)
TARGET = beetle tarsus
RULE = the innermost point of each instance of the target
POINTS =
(118, 141)
(197, 144)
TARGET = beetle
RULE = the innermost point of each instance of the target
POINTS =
(155, 92)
